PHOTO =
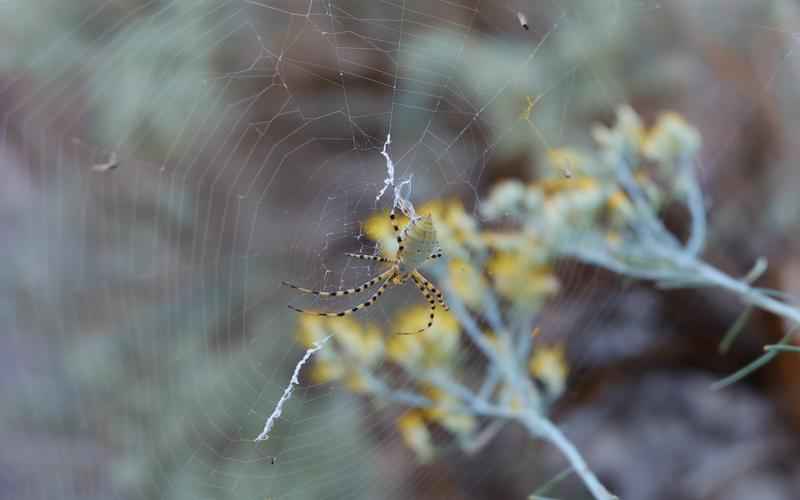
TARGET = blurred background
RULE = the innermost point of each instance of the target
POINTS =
(164, 164)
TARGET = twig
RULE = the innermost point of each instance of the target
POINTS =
(287, 393)
(696, 206)
(782, 348)
(735, 330)
(544, 428)
(751, 367)
(546, 487)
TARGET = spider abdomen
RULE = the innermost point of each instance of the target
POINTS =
(420, 242)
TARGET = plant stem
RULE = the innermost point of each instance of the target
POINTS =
(748, 293)
(544, 428)
(782, 348)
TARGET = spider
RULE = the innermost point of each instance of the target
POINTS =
(416, 244)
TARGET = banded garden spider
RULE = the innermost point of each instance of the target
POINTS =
(416, 244)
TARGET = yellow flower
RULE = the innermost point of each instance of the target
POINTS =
(431, 348)
(447, 412)
(558, 185)
(416, 435)
(624, 138)
(405, 350)
(467, 282)
(549, 365)
(620, 207)
(327, 370)
(354, 348)
(671, 139)
(521, 242)
(568, 162)
(618, 200)
(570, 206)
(353, 341)
(457, 422)
(358, 343)
(355, 381)
(311, 329)
(517, 279)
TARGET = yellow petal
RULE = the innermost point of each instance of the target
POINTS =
(363, 345)
(447, 411)
(670, 139)
(518, 279)
(549, 364)
(567, 162)
(405, 350)
(556, 185)
(356, 382)
(310, 329)
(415, 435)
(620, 205)
(457, 422)
(326, 371)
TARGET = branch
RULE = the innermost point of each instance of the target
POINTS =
(544, 428)
(287, 393)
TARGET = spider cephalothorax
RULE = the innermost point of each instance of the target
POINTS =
(416, 244)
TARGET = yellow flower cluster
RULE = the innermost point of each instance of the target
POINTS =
(356, 350)
(433, 348)
(520, 279)
(580, 193)
(467, 282)
(668, 142)
(416, 434)
(513, 257)
(446, 412)
(549, 365)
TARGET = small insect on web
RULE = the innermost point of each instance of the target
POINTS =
(417, 244)
(523, 20)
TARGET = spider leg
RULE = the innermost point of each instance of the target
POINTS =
(370, 257)
(430, 286)
(398, 234)
(368, 303)
(359, 288)
(424, 290)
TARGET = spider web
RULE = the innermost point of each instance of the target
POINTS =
(250, 140)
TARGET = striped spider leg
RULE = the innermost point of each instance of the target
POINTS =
(367, 303)
(431, 288)
(427, 294)
(416, 244)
